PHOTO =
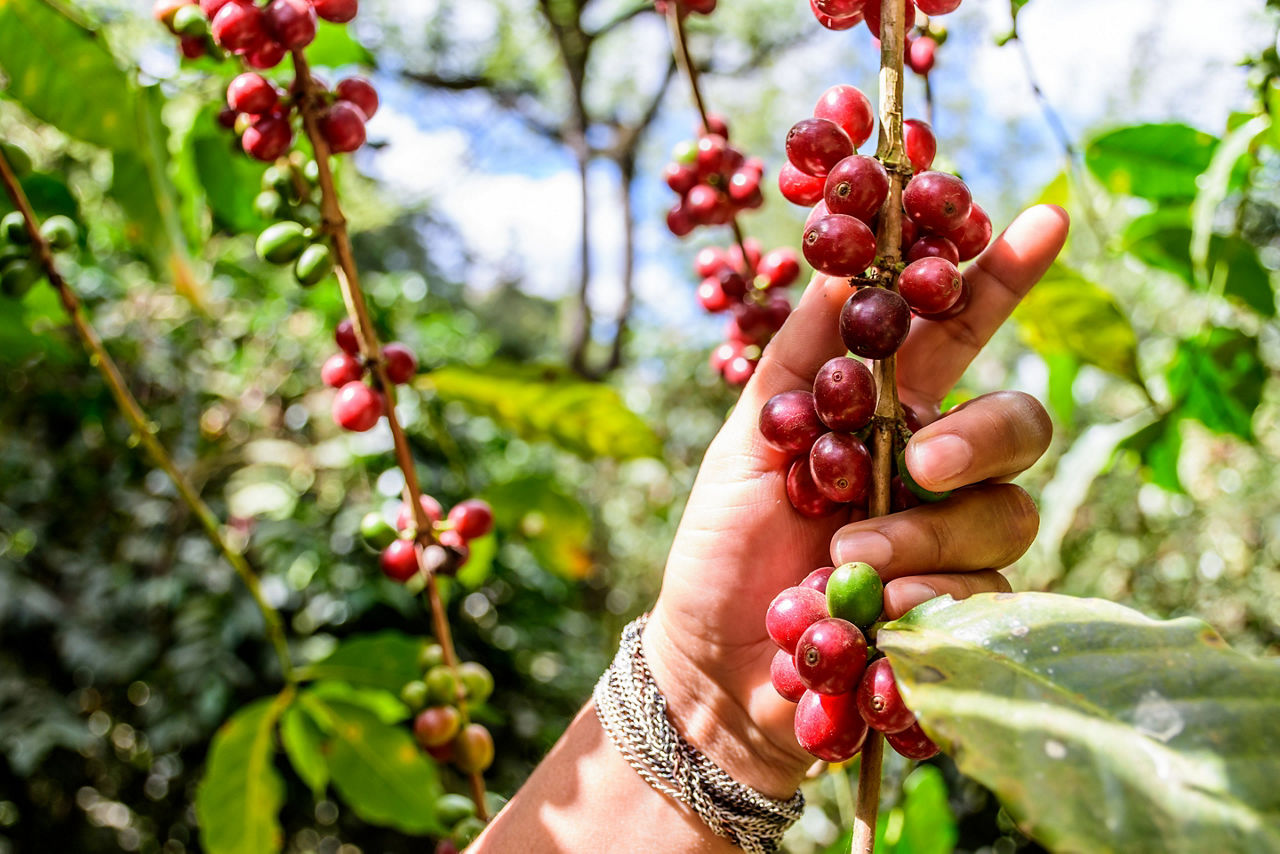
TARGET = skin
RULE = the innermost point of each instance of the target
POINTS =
(740, 543)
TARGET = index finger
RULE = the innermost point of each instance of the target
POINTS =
(936, 353)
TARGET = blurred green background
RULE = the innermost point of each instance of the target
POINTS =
(126, 641)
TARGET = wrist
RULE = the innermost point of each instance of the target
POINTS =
(718, 722)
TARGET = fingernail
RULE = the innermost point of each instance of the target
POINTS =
(870, 547)
(908, 594)
(941, 459)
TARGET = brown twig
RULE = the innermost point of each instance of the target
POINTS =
(143, 428)
(311, 104)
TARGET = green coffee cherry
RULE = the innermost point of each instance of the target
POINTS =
(442, 686)
(18, 277)
(313, 265)
(477, 681)
(268, 205)
(916, 489)
(376, 531)
(13, 228)
(278, 179)
(466, 832)
(414, 695)
(855, 593)
(432, 655)
(311, 172)
(190, 21)
(60, 232)
(282, 243)
(307, 214)
(19, 160)
(685, 152)
(451, 809)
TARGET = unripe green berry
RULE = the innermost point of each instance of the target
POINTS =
(59, 232)
(855, 593)
(432, 655)
(279, 179)
(307, 214)
(376, 531)
(282, 243)
(269, 205)
(18, 277)
(685, 152)
(13, 228)
(467, 831)
(190, 21)
(916, 489)
(311, 171)
(313, 265)
(19, 160)
(442, 685)
(452, 808)
(476, 680)
(414, 695)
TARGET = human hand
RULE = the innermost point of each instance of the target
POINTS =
(740, 542)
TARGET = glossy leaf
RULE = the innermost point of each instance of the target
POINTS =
(1066, 313)
(304, 745)
(384, 660)
(376, 767)
(1219, 383)
(238, 801)
(1101, 730)
(547, 404)
(1155, 161)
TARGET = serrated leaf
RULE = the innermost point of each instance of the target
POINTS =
(1067, 313)
(304, 745)
(547, 404)
(240, 796)
(1219, 383)
(1155, 161)
(384, 660)
(1101, 730)
(377, 767)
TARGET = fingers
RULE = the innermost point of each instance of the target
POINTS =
(992, 437)
(985, 527)
(806, 341)
(937, 353)
(902, 595)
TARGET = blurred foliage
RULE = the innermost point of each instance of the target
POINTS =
(125, 643)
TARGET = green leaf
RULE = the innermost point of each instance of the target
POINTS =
(1101, 730)
(555, 526)
(1063, 370)
(377, 767)
(384, 660)
(48, 195)
(926, 824)
(1228, 161)
(547, 404)
(240, 796)
(84, 94)
(1159, 447)
(229, 180)
(479, 564)
(1066, 313)
(335, 47)
(1157, 161)
(385, 705)
(1219, 383)
(304, 745)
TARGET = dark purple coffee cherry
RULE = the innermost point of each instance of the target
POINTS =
(874, 323)
(841, 468)
(844, 394)
(831, 656)
(789, 422)
(839, 245)
(857, 186)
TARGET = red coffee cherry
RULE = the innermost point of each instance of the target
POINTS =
(340, 369)
(920, 143)
(912, 743)
(937, 7)
(839, 245)
(938, 202)
(879, 702)
(436, 726)
(841, 468)
(399, 561)
(251, 93)
(830, 656)
(789, 422)
(972, 237)
(814, 146)
(921, 55)
(343, 127)
(829, 726)
(739, 370)
(834, 23)
(711, 296)
(804, 494)
(857, 186)
(267, 138)
(400, 363)
(874, 322)
(792, 612)
(779, 268)
(933, 247)
(818, 579)
(430, 508)
(930, 285)
(337, 11)
(345, 336)
(266, 55)
(849, 108)
(238, 26)
(357, 407)
(961, 303)
(212, 7)
(785, 679)
(844, 394)
(839, 8)
(471, 518)
(292, 23)
(680, 221)
(473, 749)
(799, 188)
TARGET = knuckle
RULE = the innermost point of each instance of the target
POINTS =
(1018, 521)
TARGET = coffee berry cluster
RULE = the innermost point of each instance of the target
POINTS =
(20, 269)
(714, 180)
(358, 405)
(846, 14)
(841, 688)
(466, 521)
(262, 35)
(289, 195)
(440, 730)
(755, 302)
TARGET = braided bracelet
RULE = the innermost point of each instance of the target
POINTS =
(634, 713)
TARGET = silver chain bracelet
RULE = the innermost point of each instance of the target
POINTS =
(634, 713)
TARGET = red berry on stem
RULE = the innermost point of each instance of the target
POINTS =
(841, 468)
(238, 26)
(337, 11)
(471, 518)
(921, 55)
(832, 23)
(267, 138)
(399, 361)
(857, 186)
(937, 7)
(212, 7)
(920, 144)
(879, 702)
(340, 369)
(818, 579)
(430, 508)
(799, 188)
(839, 8)
(473, 749)
(739, 370)
(292, 23)
(961, 303)
(789, 422)
(717, 125)
(701, 202)
(844, 394)
(343, 127)
(779, 268)
(711, 154)
(930, 285)
(829, 726)
(874, 322)
(937, 201)
(709, 261)
(680, 177)
(193, 47)
(266, 55)
(399, 561)
(251, 93)
(358, 91)
(912, 743)
(357, 407)
(679, 221)
(839, 245)
(804, 494)
(711, 296)
(872, 11)
(792, 612)
(744, 186)
(814, 146)
(436, 726)
(972, 237)
(933, 247)
(722, 355)
(345, 336)
(849, 108)
(830, 656)
(785, 679)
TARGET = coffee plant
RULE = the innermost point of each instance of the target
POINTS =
(387, 650)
